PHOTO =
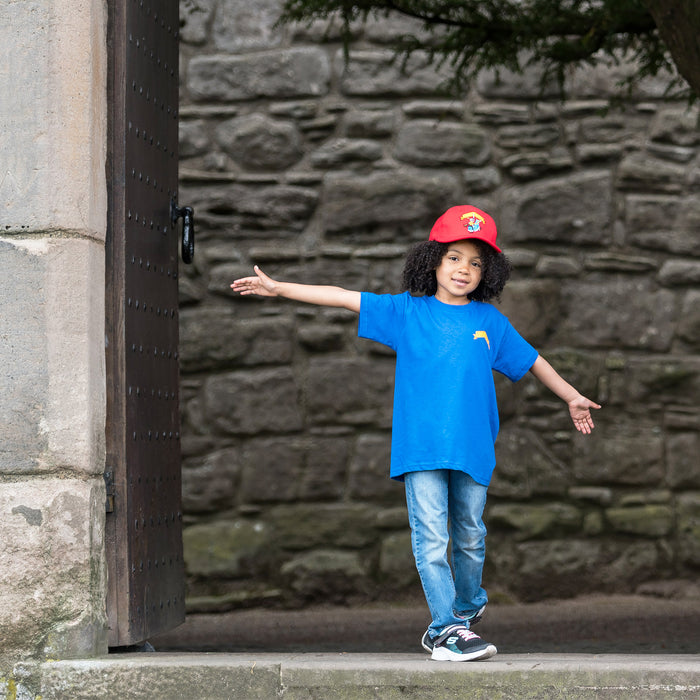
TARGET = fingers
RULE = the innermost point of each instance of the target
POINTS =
(246, 282)
(243, 281)
(584, 425)
(260, 284)
(245, 285)
(581, 414)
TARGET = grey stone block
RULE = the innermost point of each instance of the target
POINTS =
(432, 143)
(298, 72)
(245, 403)
(574, 210)
(52, 568)
(52, 394)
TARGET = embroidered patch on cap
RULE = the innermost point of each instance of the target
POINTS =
(473, 221)
(482, 334)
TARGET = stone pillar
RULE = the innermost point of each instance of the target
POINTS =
(53, 213)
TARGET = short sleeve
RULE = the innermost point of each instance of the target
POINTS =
(515, 355)
(382, 317)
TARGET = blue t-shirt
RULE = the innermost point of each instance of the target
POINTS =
(445, 411)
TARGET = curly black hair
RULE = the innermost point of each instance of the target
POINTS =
(422, 260)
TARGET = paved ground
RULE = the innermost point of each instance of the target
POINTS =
(591, 624)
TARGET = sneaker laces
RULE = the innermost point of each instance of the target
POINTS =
(464, 632)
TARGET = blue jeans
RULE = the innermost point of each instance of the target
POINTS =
(445, 503)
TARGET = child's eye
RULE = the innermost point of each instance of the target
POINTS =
(476, 263)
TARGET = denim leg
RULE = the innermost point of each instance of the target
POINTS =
(428, 502)
(467, 499)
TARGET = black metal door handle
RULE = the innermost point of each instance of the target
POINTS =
(187, 214)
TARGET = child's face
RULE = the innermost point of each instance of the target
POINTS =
(459, 273)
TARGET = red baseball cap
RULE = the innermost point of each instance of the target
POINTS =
(465, 221)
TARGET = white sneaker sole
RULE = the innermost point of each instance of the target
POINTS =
(444, 654)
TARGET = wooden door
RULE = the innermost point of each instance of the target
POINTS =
(144, 518)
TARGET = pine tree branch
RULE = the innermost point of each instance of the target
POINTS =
(470, 35)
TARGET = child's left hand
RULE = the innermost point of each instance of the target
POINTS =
(579, 409)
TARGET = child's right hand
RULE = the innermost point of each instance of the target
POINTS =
(261, 284)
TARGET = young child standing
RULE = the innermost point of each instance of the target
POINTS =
(445, 421)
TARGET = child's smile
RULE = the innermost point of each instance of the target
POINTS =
(459, 273)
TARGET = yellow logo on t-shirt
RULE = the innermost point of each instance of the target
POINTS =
(482, 334)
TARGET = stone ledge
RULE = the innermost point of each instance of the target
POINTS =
(359, 676)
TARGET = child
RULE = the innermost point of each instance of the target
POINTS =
(445, 419)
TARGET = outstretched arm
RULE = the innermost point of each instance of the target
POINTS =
(579, 406)
(322, 295)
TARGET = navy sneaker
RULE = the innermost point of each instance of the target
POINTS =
(459, 643)
(427, 642)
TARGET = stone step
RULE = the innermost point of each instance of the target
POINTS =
(216, 676)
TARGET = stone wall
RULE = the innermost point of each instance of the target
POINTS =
(325, 172)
